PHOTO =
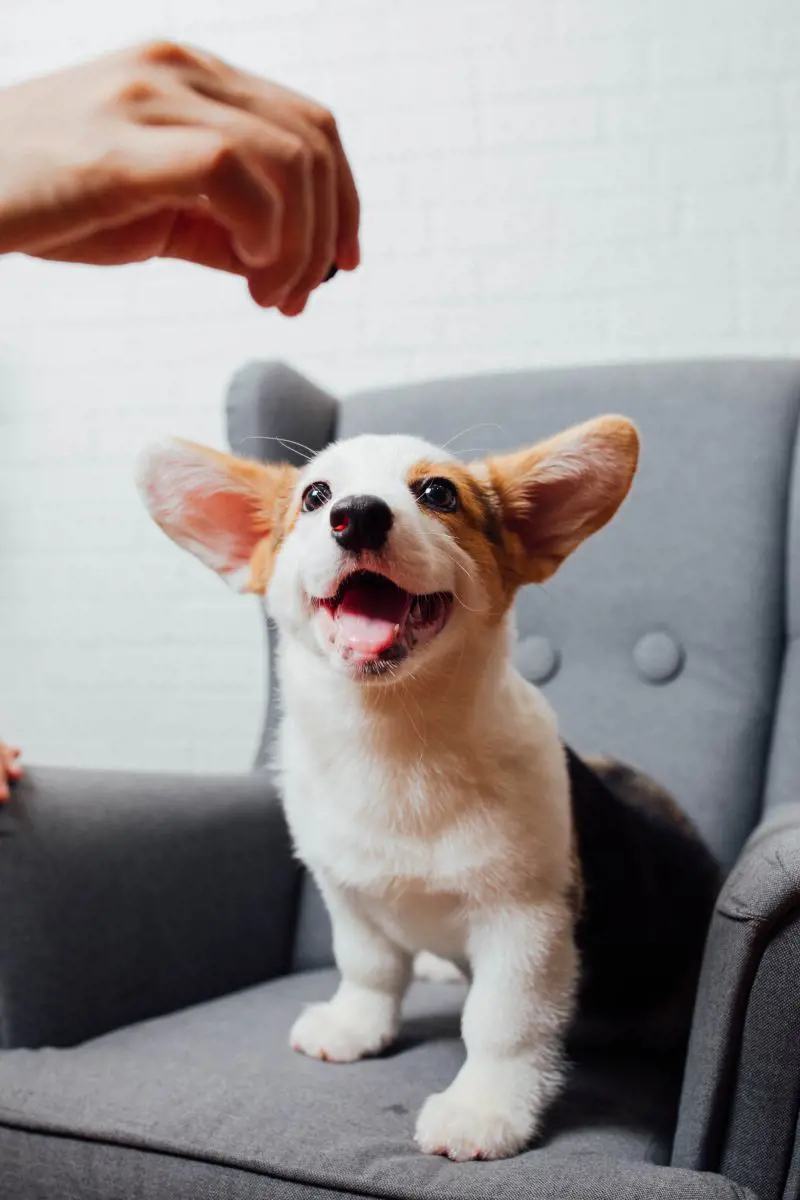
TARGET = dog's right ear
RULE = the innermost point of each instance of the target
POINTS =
(556, 494)
(220, 508)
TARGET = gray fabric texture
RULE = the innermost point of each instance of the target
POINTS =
(125, 896)
(741, 1092)
(217, 1084)
(267, 401)
(762, 1123)
(783, 783)
(39, 1167)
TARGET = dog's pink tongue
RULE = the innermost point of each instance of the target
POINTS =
(370, 614)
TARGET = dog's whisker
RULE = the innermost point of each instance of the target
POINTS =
(469, 576)
(408, 714)
(457, 563)
(471, 429)
(288, 444)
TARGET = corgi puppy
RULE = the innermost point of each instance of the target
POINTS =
(424, 780)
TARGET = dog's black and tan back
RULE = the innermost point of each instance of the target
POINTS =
(648, 885)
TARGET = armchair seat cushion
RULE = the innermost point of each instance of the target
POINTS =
(211, 1104)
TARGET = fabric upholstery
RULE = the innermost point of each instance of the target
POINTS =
(211, 1102)
(275, 414)
(783, 783)
(124, 896)
(741, 1093)
(35, 1167)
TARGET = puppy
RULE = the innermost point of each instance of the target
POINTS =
(424, 780)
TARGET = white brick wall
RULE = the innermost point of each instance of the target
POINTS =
(543, 181)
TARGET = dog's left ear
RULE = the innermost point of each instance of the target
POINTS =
(229, 512)
(556, 494)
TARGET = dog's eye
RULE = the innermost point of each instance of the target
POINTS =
(439, 494)
(315, 496)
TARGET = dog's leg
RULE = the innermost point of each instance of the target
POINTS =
(364, 1014)
(524, 975)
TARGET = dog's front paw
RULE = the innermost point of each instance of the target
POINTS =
(464, 1128)
(338, 1034)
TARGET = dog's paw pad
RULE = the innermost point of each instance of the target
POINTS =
(465, 1131)
(324, 1032)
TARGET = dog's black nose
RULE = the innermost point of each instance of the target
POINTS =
(361, 522)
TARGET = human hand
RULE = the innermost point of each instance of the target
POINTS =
(10, 768)
(163, 151)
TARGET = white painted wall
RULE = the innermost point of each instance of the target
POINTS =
(544, 181)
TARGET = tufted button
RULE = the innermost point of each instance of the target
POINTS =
(659, 657)
(537, 659)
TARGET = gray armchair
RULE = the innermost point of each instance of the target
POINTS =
(156, 939)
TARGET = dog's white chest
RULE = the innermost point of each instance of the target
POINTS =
(357, 838)
(420, 842)
(415, 885)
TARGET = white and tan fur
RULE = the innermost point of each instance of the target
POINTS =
(431, 803)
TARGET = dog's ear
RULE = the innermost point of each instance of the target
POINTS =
(220, 508)
(556, 494)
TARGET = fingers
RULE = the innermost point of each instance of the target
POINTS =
(207, 161)
(295, 180)
(308, 169)
(165, 151)
(196, 236)
(296, 156)
(252, 178)
(242, 198)
(10, 768)
(348, 249)
(324, 225)
(192, 234)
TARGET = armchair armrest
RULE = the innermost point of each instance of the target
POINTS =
(741, 1090)
(126, 896)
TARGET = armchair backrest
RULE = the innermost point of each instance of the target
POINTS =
(662, 640)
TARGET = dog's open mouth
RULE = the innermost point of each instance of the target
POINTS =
(371, 620)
